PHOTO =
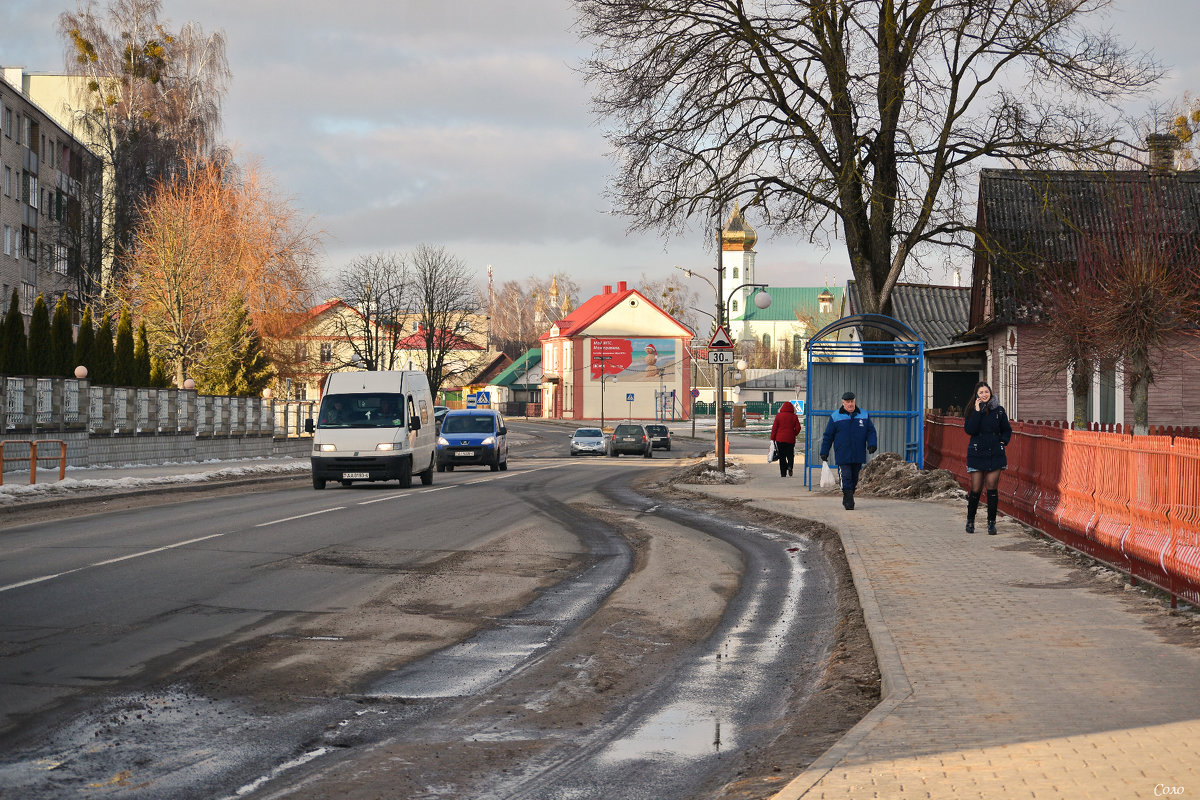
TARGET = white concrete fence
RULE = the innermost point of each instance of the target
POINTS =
(120, 425)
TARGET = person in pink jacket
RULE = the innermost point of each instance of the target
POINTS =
(784, 431)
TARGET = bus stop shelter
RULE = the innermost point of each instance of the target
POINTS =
(887, 378)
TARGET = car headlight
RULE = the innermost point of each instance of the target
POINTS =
(489, 440)
(384, 446)
(442, 441)
(326, 448)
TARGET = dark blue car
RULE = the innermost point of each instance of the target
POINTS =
(472, 437)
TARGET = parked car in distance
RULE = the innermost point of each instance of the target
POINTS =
(631, 440)
(660, 436)
(588, 440)
(472, 436)
(439, 412)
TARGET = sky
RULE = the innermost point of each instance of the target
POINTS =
(465, 124)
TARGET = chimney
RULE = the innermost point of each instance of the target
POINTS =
(621, 286)
(1161, 149)
(608, 290)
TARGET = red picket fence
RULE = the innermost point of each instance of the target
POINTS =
(1130, 501)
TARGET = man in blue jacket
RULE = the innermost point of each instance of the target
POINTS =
(851, 434)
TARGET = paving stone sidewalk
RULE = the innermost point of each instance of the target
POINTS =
(1006, 674)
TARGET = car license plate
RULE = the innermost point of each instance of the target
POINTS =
(465, 453)
(349, 476)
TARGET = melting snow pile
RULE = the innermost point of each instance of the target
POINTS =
(706, 472)
(889, 475)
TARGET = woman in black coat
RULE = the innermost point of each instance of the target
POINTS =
(988, 427)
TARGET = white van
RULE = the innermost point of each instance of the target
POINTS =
(373, 426)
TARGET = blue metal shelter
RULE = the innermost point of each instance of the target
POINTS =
(888, 378)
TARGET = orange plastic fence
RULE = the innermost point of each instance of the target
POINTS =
(1132, 501)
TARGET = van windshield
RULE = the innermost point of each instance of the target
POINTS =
(468, 423)
(366, 410)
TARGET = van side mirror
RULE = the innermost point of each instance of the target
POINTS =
(414, 423)
(503, 430)
(309, 427)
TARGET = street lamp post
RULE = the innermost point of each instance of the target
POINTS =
(602, 359)
(761, 300)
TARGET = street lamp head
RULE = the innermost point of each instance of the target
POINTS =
(762, 299)
(741, 364)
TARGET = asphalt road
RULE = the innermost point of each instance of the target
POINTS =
(96, 611)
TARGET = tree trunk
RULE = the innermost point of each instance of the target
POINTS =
(1141, 375)
(1081, 380)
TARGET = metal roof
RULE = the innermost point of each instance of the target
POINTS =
(936, 313)
(790, 303)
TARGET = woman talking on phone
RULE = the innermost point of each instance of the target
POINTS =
(988, 427)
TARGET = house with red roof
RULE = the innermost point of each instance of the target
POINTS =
(618, 355)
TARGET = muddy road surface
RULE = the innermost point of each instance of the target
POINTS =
(569, 628)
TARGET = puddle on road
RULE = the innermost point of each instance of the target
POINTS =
(471, 667)
(683, 730)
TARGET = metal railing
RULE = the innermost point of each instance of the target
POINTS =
(32, 456)
(1132, 502)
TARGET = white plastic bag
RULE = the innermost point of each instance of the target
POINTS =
(772, 453)
(827, 479)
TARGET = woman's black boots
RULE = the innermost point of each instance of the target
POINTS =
(972, 507)
(993, 500)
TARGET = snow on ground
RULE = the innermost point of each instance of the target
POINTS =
(133, 476)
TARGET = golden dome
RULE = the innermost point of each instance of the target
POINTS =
(737, 233)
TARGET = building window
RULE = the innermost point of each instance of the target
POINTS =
(797, 344)
(8, 122)
(326, 352)
(27, 298)
(766, 340)
(735, 306)
(735, 272)
(8, 242)
(825, 301)
(8, 181)
(60, 259)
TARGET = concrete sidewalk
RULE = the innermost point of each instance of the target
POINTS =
(1007, 673)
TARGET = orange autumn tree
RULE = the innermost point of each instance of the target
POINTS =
(209, 238)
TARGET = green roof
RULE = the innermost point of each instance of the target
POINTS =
(526, 362)
(786, 301)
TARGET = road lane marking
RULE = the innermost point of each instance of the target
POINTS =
(404, 494)
(108, 561)
(299, 516)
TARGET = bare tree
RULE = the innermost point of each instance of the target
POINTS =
(449, 311)
(673, 296)
(855, 119)
(149, 102)
(376, 287)
(522, 311)
(1131, 292)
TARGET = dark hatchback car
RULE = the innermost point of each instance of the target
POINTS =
(660, 436)
(631, 440)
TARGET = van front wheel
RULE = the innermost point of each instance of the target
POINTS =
(318, 483)
(406, 473)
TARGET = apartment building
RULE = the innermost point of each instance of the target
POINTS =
(47, 231)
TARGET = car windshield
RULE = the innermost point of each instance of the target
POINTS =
(468, 423)
(366, 410)
(629, 430)
(656, 430)
(588, 433)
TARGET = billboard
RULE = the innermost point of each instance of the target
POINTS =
(645, 360)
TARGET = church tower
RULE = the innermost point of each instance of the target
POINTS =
(737, 265)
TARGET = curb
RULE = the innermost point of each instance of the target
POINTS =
(895, 689)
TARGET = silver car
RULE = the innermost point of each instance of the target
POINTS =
(588, 440)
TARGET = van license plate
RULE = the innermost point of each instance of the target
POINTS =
(349, 476)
